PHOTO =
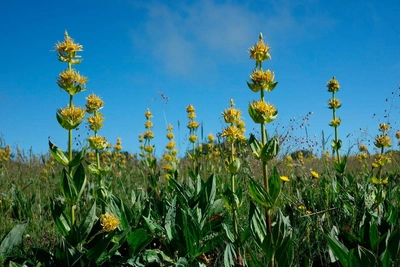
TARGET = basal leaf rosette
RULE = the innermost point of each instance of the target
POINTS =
(262, 112)
(70, 117)
(262, 80)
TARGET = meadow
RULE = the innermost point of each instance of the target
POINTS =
(234, 199)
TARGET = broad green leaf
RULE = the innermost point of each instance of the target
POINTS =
(229, 255)
(391, 255)
(78, 158)
(255, 146)
(182, 262)
(12, 239)
(138, 240)
(59, 155)
(274, 183)
(284, 254)
(270, 149)
(338, 249)
(62, 221)
(361, 256)
(259, 194)
(86, 226)
(79, 180)
(68, 188)
(257, 224)
(281, 229)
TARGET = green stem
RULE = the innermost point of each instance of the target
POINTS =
(265, 170)
(336, 132)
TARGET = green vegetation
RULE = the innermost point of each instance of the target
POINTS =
(231, 201)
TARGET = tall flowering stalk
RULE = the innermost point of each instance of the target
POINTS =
(263, 112)
(169, 159)
(192, 126)
(234, 133)
(95, 121)
(147, 148)
(71, 82)
(335, 104)
(382, 141)
(69, 118)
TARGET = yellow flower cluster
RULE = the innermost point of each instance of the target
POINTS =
(382, 141)
(235, 131)
(147, 148)
(260, 77)
(67, 50)
(384, 127)
(71, 81)
(93, 103)
(333, 85)
(334, 103)
(192, 125)
(5, 154)
(260, 50)
(109, 222)
(335, 122)
(95, 122)
(169, 159)
(70, 117)
(98, 143)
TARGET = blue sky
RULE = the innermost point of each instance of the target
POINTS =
(196, 52)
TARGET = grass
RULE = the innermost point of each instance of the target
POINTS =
(231, 201)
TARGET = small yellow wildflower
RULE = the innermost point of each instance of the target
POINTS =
(210, 137)
(170, 136)
(302, 207)
(334, 103)
(95, 122)
(67, 50)
(314, 174)
(170, 128)
(260, 77)
(70, 117)
(333, 85)
(363, 148)
(193, 125)
(259, 51)
(71, 81)
(141, 138)
(191, 115)
(336, 122)
(148, 135)
(233, 133)
(383, 127)
(193, 138)
(171, 145)
(190, 109)
(308, 212)
(231, 115)
(167, 167)
(148, 114)
(118, 145)
(148, 125)
(109, 222)
(97, 143)
(382, 141)
(284, 178)
(149, 149)
(93, 103)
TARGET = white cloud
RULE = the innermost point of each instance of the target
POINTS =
(185, 37)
